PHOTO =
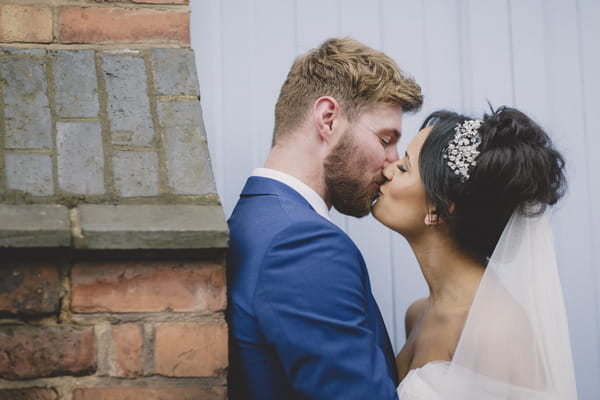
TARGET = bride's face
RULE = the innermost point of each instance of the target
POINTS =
(402, 202)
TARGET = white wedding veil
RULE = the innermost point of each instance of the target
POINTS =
(515, 342)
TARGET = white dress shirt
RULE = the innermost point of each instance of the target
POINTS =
(313, 198)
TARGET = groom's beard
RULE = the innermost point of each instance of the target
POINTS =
(349, 190)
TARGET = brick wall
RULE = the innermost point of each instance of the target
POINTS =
(126, 326)
(95, 21)
(112, 239)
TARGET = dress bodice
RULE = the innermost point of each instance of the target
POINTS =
(416, 384)
(437, 380)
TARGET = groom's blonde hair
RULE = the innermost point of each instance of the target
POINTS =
(356, 75)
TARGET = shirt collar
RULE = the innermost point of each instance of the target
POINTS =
(313, 198)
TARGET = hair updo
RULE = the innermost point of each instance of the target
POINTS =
(517, 169)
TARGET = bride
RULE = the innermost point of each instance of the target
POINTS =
(471, 197)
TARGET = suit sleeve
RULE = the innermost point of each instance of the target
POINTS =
(312, 302)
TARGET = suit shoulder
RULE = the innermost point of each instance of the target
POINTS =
(316, 230)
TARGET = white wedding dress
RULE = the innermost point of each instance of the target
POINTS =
(515, 342)
(415, 386)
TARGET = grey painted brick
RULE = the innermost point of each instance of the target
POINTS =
(80, 157)
(29, 172)
(146, 226)
(43, 225)
(24, 51)
(188, 161)
(180, 113)
(136, 173)
(128, 103)
(175, 72)
(76, 84)
(27, 110)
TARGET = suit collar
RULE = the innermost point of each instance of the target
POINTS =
(258, 185)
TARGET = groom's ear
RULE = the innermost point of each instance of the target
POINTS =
(326, 117)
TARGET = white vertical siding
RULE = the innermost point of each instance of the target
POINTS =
(541, 56)
(589, 32)
(574, 233)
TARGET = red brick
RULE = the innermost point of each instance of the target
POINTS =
(191, 349)
(25, 24)
(117, 24)
(34, 352)
(127, 340)
(32, 288)
(150, 393)
(28, 394)
(152, 286)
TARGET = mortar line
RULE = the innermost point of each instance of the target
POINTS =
(124, 5)
(3, 180)
(175, 97)
(126, 147)
(148, 44)
(107, 147)
(55, 24)
(64, 312)
(77, 119)
(148, 341)
(51, 96)
(29, 151)
(159, 140)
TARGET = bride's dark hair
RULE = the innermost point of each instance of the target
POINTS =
(517, 168)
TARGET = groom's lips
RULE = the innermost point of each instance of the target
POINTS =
(377, 190)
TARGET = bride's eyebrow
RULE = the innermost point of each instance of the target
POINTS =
(408, 159)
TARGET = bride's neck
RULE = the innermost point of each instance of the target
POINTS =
(451, 274)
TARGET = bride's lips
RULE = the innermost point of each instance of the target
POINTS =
(377, 195)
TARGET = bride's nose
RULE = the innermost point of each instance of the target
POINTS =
(389, 170)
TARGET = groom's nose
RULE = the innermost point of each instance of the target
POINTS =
(391, 155)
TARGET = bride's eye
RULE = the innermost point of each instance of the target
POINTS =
(401, 168)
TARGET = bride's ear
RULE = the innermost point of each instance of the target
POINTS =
(451, 208)
(433, 219)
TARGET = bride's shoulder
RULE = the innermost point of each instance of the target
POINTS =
(414, 313)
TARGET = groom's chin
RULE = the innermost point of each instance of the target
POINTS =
(354, 209)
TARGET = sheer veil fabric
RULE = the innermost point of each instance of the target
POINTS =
(515, 342)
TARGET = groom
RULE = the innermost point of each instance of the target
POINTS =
(303, 322)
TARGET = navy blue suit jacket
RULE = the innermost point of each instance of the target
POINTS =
(303, 321)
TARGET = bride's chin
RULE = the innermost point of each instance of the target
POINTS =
(379, 215)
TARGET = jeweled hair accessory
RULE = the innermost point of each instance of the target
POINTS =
(462, 149)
